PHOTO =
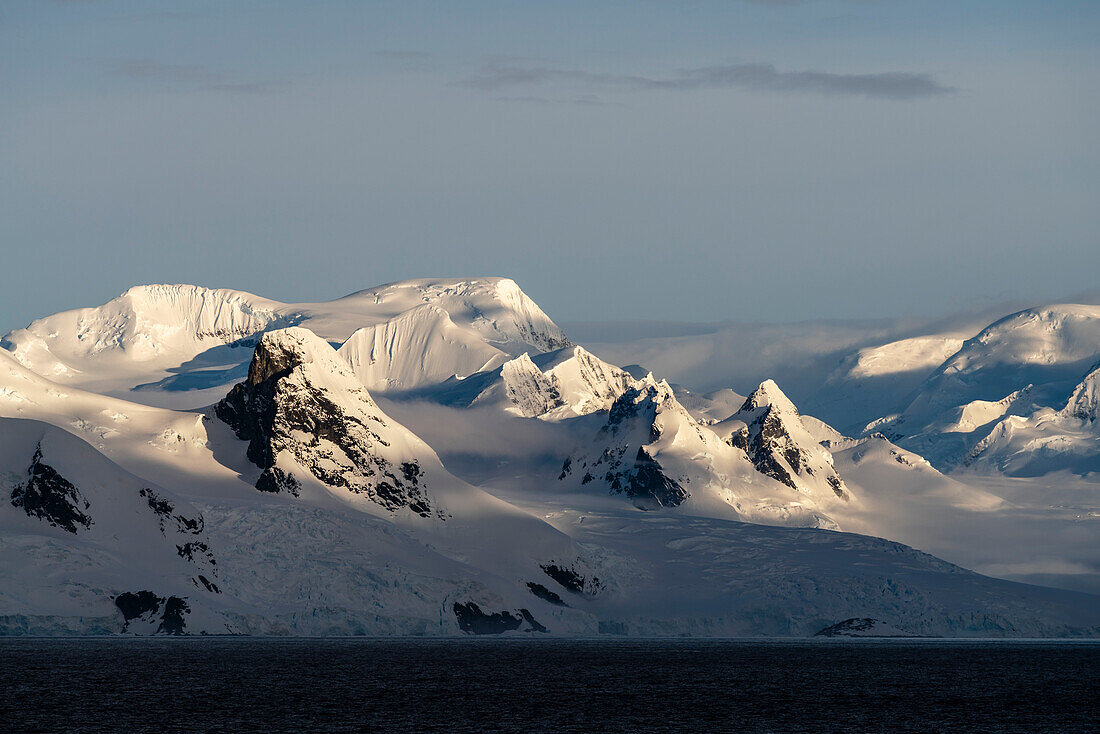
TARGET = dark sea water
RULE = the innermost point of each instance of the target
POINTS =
(250, 685)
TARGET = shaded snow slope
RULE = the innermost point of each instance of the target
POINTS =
(77, 531)
(708, 576)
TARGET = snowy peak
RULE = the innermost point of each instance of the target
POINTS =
(1084, 402)
(589, 384)
(1048, 348)
(552, 386)
(992, 398)
(307, 417)
(654, 452)
(494, 308)
(770, 431)
(1050, 335)
(623, 457)
(572, 382)
(419, 347)
(144, 323)
(768, 395)
(531, 391)
(1045, 439)
(173, 345)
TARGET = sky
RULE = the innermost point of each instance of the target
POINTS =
(703, 160)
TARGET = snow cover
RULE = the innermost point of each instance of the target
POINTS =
(183, 345)
(283, 497)
(421, 346)
(556, 385)
(770, 431)
(653, 451)
(1024, 366)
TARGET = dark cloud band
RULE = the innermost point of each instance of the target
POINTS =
(762, 77)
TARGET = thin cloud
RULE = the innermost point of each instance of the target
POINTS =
(759, 77)
(189, 76)
(150, 70)
(583, 100)
(267, 87)
(402, 55)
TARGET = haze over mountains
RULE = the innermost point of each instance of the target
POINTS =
(439, 457)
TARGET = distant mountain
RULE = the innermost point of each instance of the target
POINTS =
(182, 345)
(770, 431)
(653, 452)
(1046, 440)
(1013, 368)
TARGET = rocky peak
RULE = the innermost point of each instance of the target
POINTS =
(768, 395)
(1084, 402)
(278, 353)
(530, 390)
(304, 413)
(624, 457)
(770, 431)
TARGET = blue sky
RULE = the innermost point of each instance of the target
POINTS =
(693, 160)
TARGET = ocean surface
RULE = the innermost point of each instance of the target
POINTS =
(516, 685)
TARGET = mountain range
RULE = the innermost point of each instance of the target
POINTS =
(438, 457)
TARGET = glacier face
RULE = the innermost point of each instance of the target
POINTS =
(187, 460)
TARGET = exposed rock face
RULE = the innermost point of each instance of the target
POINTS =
(779, 446)
(472, 620)
(861, 627)
(1084, 403)
(545, 594)
(634, 472)
(302, 410)
(530, 390)
(51, 497)
(148, 607)
(192, 545)
(568, 577)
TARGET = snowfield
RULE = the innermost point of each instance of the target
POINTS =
(437, 457)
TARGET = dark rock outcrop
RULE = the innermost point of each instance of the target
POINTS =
(778, 445)
(545, 594)
(51, 497)
(631, 421)
(197, 550)
(147, 606)
(861, 627)
(569, 578)
(472, 620)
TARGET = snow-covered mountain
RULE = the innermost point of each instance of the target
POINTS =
(554, 385)
(652, 451)
(770, 431)
(182, 345)
(79, 532)
(1013, 368)
(435, 457)
(1046, 440)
